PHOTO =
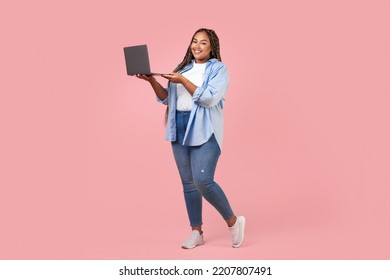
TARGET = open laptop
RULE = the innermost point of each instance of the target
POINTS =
(137, 60)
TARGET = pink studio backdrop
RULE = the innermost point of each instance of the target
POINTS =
(86, 172)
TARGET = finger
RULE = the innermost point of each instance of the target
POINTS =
(142, 77)
(166, 77)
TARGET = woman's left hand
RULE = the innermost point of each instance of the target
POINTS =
(175, 77)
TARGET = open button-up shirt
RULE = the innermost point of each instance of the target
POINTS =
(206, 116)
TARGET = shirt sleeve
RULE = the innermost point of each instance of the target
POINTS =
(215, 90)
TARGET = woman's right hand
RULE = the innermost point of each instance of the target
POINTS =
(148, 78)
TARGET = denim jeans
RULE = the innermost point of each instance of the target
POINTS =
(196, 165)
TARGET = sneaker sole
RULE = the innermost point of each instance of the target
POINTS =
(192, 246)
(242, 229)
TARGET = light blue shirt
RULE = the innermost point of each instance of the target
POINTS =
(206, 116)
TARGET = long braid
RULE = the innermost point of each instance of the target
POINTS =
(215, 53)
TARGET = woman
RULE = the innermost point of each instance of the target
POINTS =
(195, 98)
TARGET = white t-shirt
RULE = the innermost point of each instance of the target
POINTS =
(196, 76)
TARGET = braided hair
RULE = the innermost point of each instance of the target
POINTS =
(214, 42)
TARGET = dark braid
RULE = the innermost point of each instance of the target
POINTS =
(214, 42)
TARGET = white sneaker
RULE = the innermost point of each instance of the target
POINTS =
(237, 232)
(194, 240)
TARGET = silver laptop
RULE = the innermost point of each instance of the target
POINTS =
(137, 60)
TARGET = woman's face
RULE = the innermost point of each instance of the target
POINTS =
(201, 47)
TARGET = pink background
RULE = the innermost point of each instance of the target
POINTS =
(86, 172)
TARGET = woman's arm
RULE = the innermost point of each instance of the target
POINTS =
(159, 90)
(215, 90)
(179, 78)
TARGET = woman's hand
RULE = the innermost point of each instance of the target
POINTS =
(148, 78)
(175, 78)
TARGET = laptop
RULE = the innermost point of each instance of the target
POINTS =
(137, 60)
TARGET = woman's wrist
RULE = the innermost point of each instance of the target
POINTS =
(184, 82)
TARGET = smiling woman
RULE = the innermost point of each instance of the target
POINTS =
(195, 99)
(200, 47)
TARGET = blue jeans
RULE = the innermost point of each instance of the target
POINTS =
(196, 166)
